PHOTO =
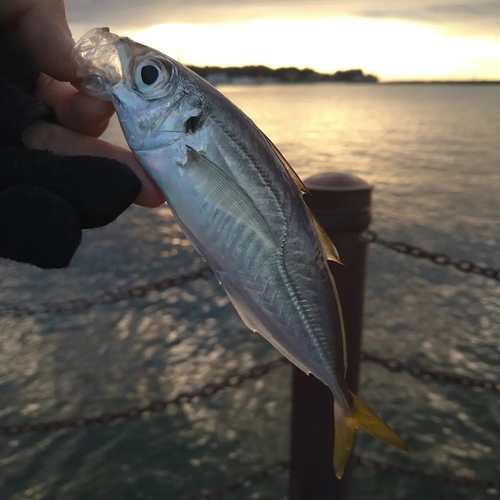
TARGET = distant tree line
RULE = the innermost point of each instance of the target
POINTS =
(285, 75)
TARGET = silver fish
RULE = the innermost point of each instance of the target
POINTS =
(241, 205)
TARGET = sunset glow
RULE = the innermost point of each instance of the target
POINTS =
(389, 49)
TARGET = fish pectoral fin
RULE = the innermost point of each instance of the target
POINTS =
(233, 198)
(331, 252)
(359, 417)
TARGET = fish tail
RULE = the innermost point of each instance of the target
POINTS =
(358, 417)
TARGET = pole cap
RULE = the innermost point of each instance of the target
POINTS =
(340, 201)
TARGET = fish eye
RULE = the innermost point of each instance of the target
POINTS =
(150, 75)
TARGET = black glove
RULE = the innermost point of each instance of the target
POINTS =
(46, 199)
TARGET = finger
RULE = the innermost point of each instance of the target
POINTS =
(40, 26)
(74, 110)
(55, 138)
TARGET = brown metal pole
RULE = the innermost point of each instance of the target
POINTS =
(341, 202)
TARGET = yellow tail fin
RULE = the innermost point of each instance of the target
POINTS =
(359, 417)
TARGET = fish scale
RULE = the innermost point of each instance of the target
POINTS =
(240, 204)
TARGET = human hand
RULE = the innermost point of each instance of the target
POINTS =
(46, 199)
(41, 28)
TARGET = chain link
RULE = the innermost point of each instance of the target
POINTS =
(157, 406)
(114, 296)
(271, 470)
(395, 366)
(454, 480)
(252, 478)
(441, 259)
(108, 297)
(243, 482)
(233, 381)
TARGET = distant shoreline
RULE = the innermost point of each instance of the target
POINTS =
(487, 83)
(263, 74)
(249, 75)
(442, 82)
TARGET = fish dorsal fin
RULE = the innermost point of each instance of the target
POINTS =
(325, 241)
(331, 252)
(288, 168)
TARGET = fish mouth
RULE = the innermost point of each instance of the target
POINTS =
(96, 57)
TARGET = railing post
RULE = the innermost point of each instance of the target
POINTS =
(341, 202)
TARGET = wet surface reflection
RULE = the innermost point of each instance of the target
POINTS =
(432, 154)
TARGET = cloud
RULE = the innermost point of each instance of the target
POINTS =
(461, 17)
(474, 17)
(147, 12)
(476, 9)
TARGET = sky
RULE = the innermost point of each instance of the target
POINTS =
(394, 39)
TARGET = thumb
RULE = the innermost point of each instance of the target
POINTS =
(41, 27)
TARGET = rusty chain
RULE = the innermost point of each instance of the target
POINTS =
(243, 482)
(114, 296)
(395, 366)
(453, 480)
(233, 381)
(108, 297)
(252, 478)
(441, 259)
(271, 470)
(157, 406)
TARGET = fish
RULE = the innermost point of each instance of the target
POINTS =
(241, 205)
